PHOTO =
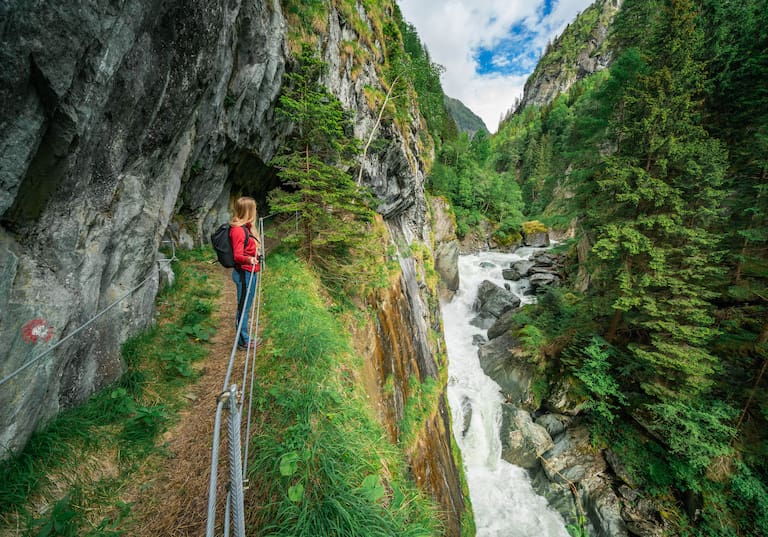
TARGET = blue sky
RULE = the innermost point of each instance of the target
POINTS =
(488, 47)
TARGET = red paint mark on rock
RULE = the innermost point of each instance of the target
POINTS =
(36, 330)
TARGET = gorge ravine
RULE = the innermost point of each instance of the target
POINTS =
(503, 500)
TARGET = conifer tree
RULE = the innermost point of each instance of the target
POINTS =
(314, 166)
(658, 198)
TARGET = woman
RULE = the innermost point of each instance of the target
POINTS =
(245, 246)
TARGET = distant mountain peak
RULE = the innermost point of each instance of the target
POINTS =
(466, 120)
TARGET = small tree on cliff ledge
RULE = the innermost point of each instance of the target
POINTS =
(314, 166)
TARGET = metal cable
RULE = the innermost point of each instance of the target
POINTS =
(235, 465)
(214, 468)
(253, 365)
(231, 363)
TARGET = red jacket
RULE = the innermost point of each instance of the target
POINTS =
(243, 252)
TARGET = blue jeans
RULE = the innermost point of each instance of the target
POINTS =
(245, 295)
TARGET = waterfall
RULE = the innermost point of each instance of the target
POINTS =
(503, 500)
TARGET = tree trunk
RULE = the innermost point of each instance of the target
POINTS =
(610, 336)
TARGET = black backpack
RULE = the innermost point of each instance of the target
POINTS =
(223, 246)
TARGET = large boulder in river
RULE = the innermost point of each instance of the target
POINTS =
(535, 234)
(494, 300)
(522, 267)
(511, 274)
(522, 440)
(513, 375)
(503, 324)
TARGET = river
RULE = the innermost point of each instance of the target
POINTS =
(503, 501)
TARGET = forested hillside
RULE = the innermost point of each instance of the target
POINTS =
(466, 120)
(659, 165)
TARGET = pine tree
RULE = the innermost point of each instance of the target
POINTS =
(658, 197)
(314, 167)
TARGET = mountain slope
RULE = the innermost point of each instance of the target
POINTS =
(582, 49)
(466, 120)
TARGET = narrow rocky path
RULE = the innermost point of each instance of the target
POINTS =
(172, 499)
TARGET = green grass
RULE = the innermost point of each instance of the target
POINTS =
(126, 418)
(321, 462)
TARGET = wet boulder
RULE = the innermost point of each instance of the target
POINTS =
(501, 325)
(523, 267)
(513, 375)
(511, 274)
(466, 415)
(494, 300)
(522, 440)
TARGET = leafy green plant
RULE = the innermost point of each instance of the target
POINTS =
(605, 395)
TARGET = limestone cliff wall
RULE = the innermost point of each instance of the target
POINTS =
(115, 116)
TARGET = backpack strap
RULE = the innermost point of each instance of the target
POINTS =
(248, 236)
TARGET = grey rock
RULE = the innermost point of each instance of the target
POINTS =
(555, 424)
(547, 83)
(523, 267)
(446, 246)
(501, 325)
(487, 264)
(542, 269)
(540, 280)
(510, 274)
(483, 320)
(573, 458)
(522, 440)
(539, 239)
(466, 415)
(494, 300)
(602, 506)
(513, 375)
(478, 340)
(544, 259)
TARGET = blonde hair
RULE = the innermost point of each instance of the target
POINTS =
(243, 211)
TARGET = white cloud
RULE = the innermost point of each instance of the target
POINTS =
(452, 30)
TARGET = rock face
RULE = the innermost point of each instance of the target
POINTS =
(114, 116)
(446, 246)
(125, 124)
(552, 77)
